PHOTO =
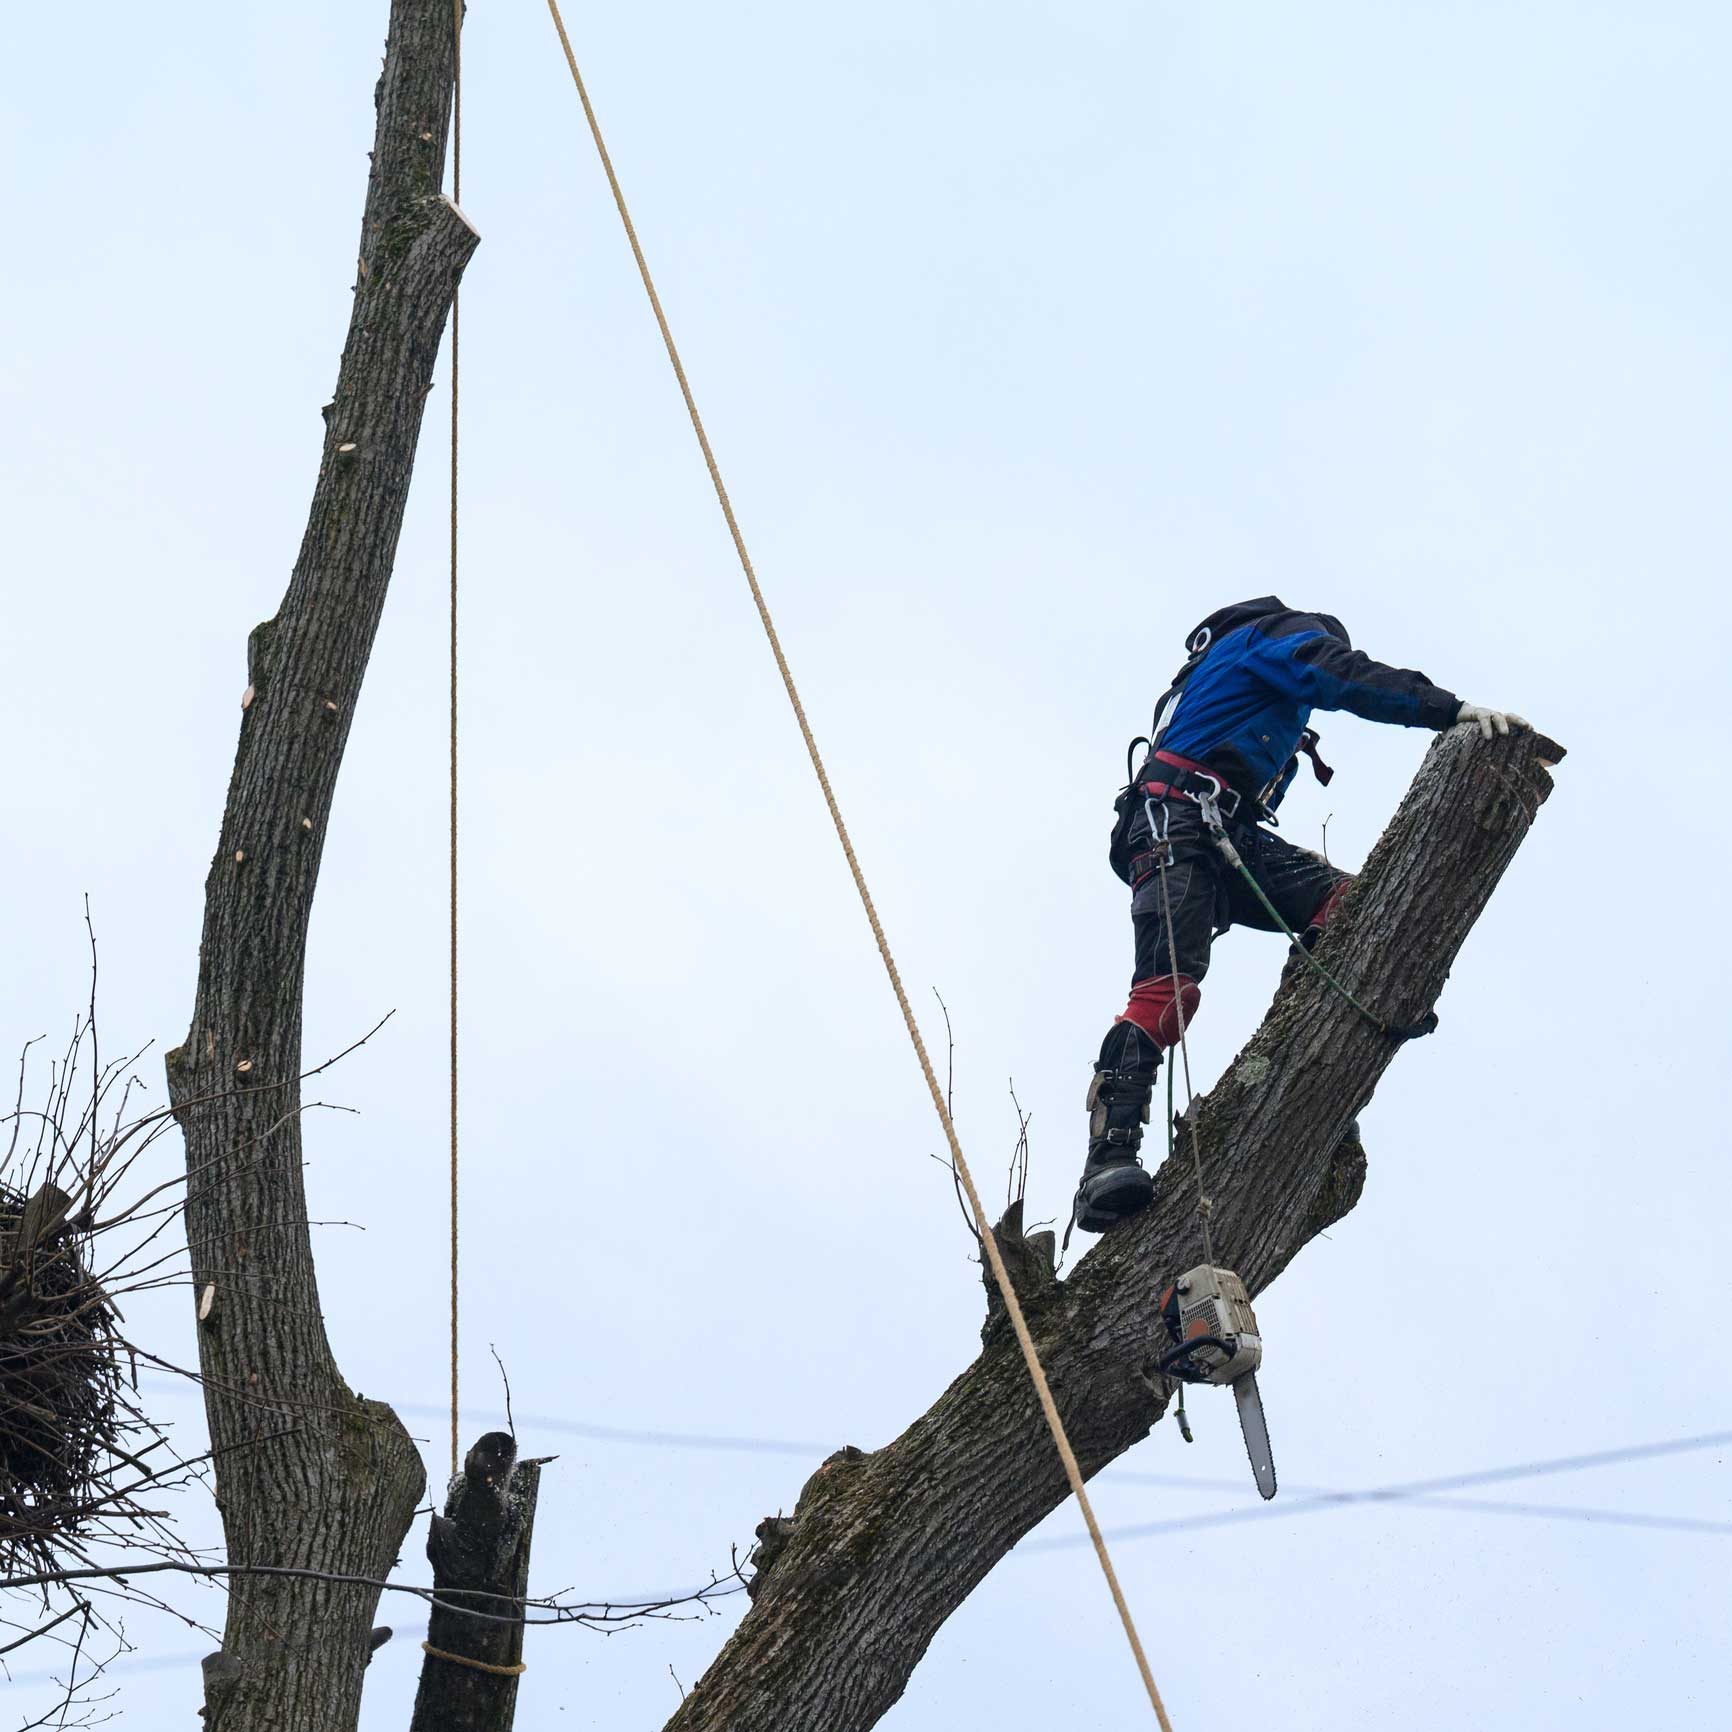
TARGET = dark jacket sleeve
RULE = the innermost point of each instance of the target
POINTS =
(1315, 667)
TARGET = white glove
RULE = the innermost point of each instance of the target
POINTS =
(1489, 722)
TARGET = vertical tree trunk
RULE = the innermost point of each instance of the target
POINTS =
(480, 1554)
(337, 1494)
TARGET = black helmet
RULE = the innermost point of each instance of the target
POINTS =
(1226, 619)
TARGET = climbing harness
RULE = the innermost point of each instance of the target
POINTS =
(1219, 805)
(988, 1239)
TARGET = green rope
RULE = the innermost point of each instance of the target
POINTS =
(1170, 1102)
(1410, 1031)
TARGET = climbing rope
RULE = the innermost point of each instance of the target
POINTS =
(457, 199)
(987, 1238)
(1163, 855)
(513, 1671)
(1204, 1207)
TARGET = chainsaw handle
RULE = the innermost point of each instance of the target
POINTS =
(1168, 1364)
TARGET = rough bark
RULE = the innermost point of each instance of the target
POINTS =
(883, 1547)
(336, 1494)
(479, 1550)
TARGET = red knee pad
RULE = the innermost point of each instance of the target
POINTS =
(1327, 906)
(1153, 1010)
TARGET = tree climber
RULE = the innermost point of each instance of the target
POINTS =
(1234, 727)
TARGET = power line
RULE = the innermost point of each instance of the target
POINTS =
(1407, 1492)
(1425, 1493)
(1412, 1491)
(1467, 1505)
(1570, 1512)
(1478, 1506)
(718, 1441)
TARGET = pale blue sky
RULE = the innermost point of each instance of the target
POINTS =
(1027, 334)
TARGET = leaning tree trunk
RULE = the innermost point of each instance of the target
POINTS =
(883, 1547)
(307, 1473)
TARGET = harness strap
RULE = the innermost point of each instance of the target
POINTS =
(1193, 781)
(1172, 691)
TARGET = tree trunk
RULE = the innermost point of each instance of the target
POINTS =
(480, 1552)
(338, 1493)
(883, 1547)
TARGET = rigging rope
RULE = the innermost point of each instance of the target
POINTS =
(988, 1240)
(1204, 1206)
(457, 199)
(515, 1670)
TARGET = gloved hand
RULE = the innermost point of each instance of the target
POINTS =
(1489, 722)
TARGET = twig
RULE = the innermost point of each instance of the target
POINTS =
(1016, 1187)
(949, 1056)
(95, 1049)
(597, 1614)
(354, 1046)
(71, 1611)
(950, 1108)
(510, 1423)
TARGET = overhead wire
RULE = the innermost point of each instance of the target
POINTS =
(737, 1444)
(1013, 1307)
(1335, 1499)
(1407, 1490)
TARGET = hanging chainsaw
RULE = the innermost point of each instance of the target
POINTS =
(1214, 1334)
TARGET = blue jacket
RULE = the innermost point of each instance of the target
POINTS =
(1257, 670)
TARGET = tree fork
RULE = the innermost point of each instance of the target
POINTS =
(479, 1547)
(883, 1547)
(338, 1492)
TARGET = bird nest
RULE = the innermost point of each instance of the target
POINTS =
(63, 1410)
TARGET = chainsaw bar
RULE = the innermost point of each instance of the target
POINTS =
(1256, 1432)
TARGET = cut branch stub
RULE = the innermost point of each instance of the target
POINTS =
(479, 1549)
(1030, 1261)
(776, 1534)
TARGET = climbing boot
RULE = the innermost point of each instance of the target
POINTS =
(1114, 1184)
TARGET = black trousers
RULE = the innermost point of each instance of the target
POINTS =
(1208, 895)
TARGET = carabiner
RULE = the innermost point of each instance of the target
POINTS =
(1160, 837)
